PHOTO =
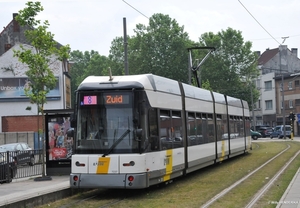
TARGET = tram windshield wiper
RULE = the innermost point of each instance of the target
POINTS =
(116, 142)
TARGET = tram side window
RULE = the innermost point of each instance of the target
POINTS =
(153, 130)
(224, 127)
(170, 129)
(211, 129)
(236, 125)
(195, 129)
(234, 132)
(232, 127)
(177, 128)
(241, 126)
(205, 131)
(192, 129)
(235, 121)
(166, 130)
(220, 131)
(200, 136)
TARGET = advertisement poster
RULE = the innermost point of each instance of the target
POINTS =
(60, 145)
(14, 88)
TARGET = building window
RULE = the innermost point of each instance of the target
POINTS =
(290, 85)
(297, 102)
(290, 103)
(257, 84)
(268, 85)
(269, 105)
(297, 83)
(258, 117)
(280, 87)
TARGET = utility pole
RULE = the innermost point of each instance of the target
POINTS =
(252, 106)
(125, 47)
(283, 106)
(282, 91)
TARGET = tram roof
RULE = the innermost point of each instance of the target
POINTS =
(155, 83)
(142, 81)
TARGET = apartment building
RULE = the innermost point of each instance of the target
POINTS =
(276, 66)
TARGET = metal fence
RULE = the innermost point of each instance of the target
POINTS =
(20, 164)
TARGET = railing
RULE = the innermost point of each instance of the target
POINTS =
(20, 164)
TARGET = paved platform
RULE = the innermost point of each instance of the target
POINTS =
(291, 197)
(30, 193)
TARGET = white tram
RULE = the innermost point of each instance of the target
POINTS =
(135, 131)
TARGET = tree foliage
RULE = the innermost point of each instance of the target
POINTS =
(117, 55)
(38, 59)
(86, 64)
(160, 48)
(232, 66)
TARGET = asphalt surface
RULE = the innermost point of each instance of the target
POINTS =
(29, 192)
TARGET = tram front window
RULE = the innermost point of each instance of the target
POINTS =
(105, 128)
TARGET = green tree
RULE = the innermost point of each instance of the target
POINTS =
(117, 55)
(231, 66)
(160, 48)
(206, 85)
(38, 59)
(86, 64)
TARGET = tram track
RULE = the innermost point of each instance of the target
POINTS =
(225, 191)
(93, 195)
(267, 186)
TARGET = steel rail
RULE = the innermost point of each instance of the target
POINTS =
(225, 191)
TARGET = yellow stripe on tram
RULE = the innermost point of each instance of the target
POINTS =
(222, 150)
(169, 164)
(103, 165)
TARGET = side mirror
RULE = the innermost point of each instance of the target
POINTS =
(70, 132)
(139, 133)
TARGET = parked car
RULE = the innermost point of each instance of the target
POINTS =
(279, 131)
(256, 128)
(4, 163)
(255, 134)
(21, 152)
(265, 131)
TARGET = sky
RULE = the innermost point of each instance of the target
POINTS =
(92, 24)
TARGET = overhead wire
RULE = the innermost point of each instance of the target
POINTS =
(135, 9)
(291, 36)
(244, 8)
(258, 22)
